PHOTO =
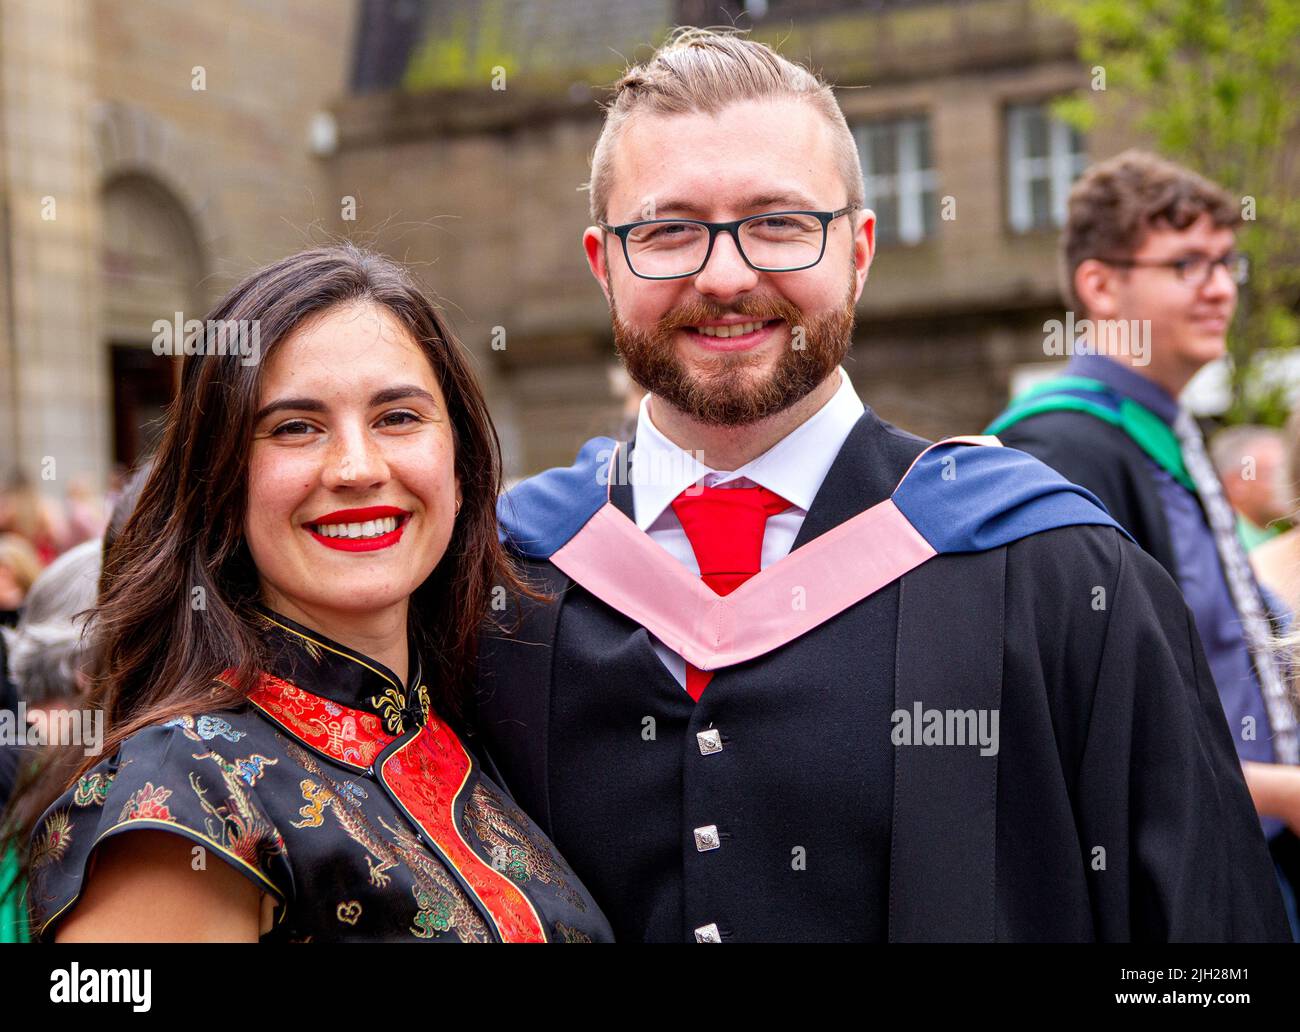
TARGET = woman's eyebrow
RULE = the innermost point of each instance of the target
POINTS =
(400, 393)
(397, 393)
(299, 404)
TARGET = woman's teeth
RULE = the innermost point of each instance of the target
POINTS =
(734, 330)
(369, 529)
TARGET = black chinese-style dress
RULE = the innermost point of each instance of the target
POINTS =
(359, 813)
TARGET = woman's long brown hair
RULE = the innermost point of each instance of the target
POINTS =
(157, 655)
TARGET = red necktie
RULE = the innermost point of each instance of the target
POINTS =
(725, 527)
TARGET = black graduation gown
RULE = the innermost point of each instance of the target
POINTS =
(1116, 809)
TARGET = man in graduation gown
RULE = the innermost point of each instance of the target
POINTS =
(1150, 262)
(798, 675)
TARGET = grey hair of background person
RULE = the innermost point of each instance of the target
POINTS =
(1228, 447)
(48, 647)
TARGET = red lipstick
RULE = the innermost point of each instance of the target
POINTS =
(362, 515)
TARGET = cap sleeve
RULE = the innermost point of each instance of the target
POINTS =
(158, 780)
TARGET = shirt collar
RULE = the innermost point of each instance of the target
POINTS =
(309, 660)
(794, 467)
(1126, 381)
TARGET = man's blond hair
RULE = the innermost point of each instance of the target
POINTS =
(705, 70)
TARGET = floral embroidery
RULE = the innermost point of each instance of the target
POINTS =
(283, 633)
(349, 736)
(54, 840)
(92, 789)
(147, 804)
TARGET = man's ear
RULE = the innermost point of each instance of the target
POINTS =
(1094, 286)
(864, 248)
(593, 243)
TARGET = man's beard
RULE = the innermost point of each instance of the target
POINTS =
(727, 391)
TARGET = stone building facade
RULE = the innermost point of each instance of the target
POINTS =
(151, 153)
(456, 136)
(953, 309)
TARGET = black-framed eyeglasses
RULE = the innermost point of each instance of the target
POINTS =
(776, 241)
(1195, 271)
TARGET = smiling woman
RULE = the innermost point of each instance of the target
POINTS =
(288, 623)
(353, 484)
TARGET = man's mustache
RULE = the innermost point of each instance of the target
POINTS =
(758, 309)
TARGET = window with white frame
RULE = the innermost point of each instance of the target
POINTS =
(898, 178)
(1044, 156)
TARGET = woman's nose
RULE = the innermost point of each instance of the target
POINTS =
(355, 460)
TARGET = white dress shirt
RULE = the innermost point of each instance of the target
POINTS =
(794, 468)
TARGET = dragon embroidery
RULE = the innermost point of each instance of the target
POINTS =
(441, 905)
(500, 827)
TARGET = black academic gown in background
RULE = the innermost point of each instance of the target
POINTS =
(1117, 810)
(1104, 459)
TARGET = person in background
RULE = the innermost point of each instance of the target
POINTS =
(87, 511)
(1250, 461)
(1277, 561)
(13, 921)
(48, 656)
(25, 511)
(50, 659)
(1151, 269)
(19, 568)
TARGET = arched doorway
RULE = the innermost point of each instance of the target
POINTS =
(152, 265)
